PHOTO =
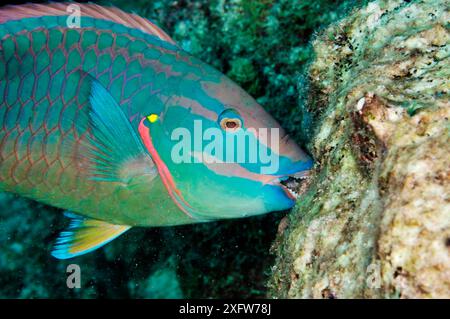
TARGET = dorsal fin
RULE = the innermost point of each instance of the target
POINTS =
(30, 10)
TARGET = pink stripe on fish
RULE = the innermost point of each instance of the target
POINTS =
(193, 105)
(164, 172)
(232, 169)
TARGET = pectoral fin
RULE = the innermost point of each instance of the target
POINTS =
(112, 151)
(115, 151)
(85, 235)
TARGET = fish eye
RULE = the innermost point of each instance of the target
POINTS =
(230, 125)
(230, 121)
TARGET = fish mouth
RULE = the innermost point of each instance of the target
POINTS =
(294, 184)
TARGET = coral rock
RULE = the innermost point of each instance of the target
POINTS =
(375, 221)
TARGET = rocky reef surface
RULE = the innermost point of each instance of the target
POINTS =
(375, 221)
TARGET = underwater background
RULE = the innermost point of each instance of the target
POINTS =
(263, 45)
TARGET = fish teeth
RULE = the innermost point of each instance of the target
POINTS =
(293, 193)
(293, 182)
(301, 175)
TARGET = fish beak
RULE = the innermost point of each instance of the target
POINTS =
(293, 184)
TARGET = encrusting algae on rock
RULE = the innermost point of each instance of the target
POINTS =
(375, 221)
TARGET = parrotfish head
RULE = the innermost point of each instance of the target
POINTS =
(219, 153)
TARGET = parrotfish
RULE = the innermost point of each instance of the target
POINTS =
(88, 114)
